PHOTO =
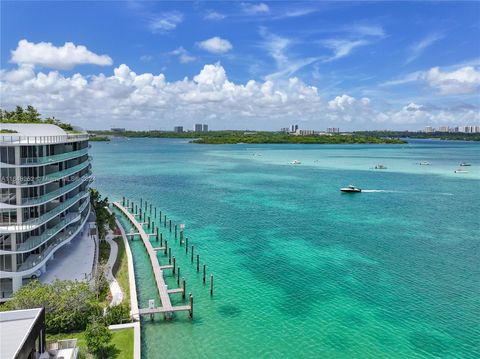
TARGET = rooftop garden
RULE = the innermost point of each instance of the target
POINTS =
(31, 115)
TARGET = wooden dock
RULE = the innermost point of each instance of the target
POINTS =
(166, 305)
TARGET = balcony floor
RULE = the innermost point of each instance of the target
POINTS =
(73, 261)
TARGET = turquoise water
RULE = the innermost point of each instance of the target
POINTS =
(301, 270)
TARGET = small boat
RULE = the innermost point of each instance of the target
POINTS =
(380, 167)
(465, 164)
(424, 163)
(295, 162)
(350, 189)
(459, 170)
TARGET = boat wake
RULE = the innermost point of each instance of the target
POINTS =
(392, 191)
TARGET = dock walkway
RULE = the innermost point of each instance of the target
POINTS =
(166, 304)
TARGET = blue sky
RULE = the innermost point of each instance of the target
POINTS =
(354, 64)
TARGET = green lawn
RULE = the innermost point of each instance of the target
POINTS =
(121, 273)
(121, 339)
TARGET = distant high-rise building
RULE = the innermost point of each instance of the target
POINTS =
(205, 128)
(428, 129)
(294, 128)
(333, 130)
(178, 129)
(443, 129)
(198, 127)
(285, 129)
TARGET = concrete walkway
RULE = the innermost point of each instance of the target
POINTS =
(117, 294)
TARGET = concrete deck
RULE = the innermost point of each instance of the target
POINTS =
(73, 261)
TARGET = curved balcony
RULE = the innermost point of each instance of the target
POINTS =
(35, 261)
(49, 178)
(36, 241)
(46, 160)
(34, 223)
(36, 201)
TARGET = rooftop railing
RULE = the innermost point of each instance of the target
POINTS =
(8, 140)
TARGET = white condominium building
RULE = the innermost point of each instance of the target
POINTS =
(44, 198)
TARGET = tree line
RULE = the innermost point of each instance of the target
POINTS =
(30, 115)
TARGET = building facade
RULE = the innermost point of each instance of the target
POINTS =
(178, 129)
(44, 202)
(198, 127)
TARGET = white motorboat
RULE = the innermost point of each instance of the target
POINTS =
(350, 189)
(295, 162)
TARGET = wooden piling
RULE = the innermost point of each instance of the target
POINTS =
(178, 276)
(166, 245)
(183, 288)
(141, 201)
(198, 262)
(173, 269)
(175, 231)
(181, 237)
(165, 221)
(211, 284)
(170, 225)
(170, 255)
(160, 217)
(157, 233)
(192, 253)
(150, 208)
(155, 209)
(204, 270)
(161, 239)
(186, 245)
(190, 299)
(123, 201)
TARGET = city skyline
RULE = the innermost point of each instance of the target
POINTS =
(257, 65)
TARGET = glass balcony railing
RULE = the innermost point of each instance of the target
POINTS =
(32, 224)
(40, 140)
(36, 259)
(36, 241)
(33, 181)
(53, 158)
(56, 193)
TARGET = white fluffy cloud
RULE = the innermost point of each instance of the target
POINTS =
(215, 45)
(132, 100)
(63, 57)
(462, 81)
(183, 55)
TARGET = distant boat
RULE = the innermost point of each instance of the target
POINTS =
(380, 167)
(350, 189)
(465, 164)
(459, 170)
(295, 162)
(424, 163)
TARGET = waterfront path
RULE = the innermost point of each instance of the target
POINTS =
(117, 294)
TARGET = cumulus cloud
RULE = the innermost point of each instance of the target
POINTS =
(215, 45)
(254, 9)
(165, 21)
(462, 81)
(56, 57)
(138, 100)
